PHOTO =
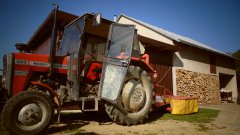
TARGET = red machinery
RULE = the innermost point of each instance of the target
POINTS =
(39, 84)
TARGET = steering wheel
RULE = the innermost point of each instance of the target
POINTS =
(87, 57)
(91, 58)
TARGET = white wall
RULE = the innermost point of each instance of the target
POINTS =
(196, 60)
(146, 32)
(191, 59)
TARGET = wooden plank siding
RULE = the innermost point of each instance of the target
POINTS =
(212, 65)
(161, 61)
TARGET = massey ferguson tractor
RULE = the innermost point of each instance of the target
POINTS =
(40, 86)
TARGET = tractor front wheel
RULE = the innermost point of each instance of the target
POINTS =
(136, 98)
(29, 112)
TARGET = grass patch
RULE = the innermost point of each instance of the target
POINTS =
(202, 127)
(120, 134)
(136, 133)
(204, 115)
(150, 134)
(78, 131)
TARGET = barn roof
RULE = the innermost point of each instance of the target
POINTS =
(177, 37)
(44, 31)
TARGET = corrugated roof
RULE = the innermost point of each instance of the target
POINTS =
(176, 37)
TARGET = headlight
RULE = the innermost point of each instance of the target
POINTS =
(3, 79)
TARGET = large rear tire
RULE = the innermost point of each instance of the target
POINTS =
(27, 113)
(3, 98)
(136, 98)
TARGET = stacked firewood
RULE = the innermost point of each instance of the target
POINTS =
(204, 86)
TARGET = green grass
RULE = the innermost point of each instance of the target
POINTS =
(120, 134)
(202, 127)
(78, 131)
(204, 115)
(150, 134)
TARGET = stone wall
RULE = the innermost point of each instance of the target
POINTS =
(204, 86)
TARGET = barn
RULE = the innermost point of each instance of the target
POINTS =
(185, 67)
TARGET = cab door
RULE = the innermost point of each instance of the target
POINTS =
(118, 55)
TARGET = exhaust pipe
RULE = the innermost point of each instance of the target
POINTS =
(53, 40)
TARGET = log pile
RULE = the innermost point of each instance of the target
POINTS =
(204, 86)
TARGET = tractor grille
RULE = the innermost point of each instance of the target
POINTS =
(4, 70)
(4, 63)
(7, 72)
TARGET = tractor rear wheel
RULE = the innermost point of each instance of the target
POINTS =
(27, 113)
(136, 98)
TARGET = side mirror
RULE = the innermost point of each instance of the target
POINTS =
(97, 19)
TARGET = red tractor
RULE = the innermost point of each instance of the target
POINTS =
(40, 85)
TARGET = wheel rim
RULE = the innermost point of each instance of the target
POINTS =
(133, 95)
(31, 116)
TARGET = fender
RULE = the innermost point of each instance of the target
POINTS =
(50, 90)
(142, 63)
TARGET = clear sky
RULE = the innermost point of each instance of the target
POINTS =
(215, 23)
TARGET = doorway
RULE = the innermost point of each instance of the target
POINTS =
(225, 87)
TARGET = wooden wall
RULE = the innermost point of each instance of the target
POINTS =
(161, 61)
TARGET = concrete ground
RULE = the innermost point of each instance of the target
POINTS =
(228, 119)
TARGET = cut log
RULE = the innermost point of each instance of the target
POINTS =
(204, 86)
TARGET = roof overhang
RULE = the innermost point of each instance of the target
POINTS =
(176, 38)
(44, 31)
(208, 50)
(149, 36)
(161, 45)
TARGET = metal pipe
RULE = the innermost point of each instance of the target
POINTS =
(53, 40)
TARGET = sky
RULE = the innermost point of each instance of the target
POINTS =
(212, 22)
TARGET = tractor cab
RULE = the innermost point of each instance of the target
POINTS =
(83, 43)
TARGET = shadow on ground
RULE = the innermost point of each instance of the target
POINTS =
(71, 123)
(157, 114)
